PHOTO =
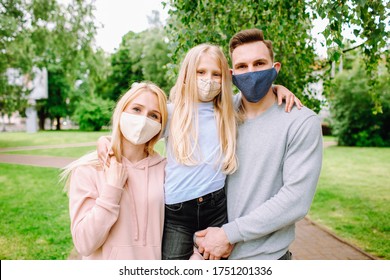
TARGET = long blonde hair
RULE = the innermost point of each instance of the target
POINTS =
(116, 140)
(184, 96)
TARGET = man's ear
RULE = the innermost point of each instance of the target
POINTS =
(277, 66)
(231, 71)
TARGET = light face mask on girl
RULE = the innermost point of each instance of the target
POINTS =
(138, 129)
(255, 85)
(208, 89)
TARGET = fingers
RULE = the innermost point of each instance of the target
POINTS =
(290, 103)
(201, 233)
(298, 103)
(280, 99)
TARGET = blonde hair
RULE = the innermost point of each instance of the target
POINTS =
(116, 139)
(184, 95)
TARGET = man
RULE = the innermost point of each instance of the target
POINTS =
(279, 157)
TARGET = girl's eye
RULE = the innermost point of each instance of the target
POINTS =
(155, 117)
(217, 74)
(136, 109)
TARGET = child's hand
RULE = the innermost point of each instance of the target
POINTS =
(283, 93)
(104, 151)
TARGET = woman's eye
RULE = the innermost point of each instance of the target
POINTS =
(136, 109)
(154, 117)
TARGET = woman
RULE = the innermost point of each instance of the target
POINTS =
(118, 212)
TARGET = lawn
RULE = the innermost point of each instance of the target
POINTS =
(352, 198)
(19, 139)
(34, 214)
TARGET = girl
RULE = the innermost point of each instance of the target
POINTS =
(201, 142)
(117, 213)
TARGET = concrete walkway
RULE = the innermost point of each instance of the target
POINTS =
(313, 241)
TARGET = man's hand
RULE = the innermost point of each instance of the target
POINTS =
(213, 243)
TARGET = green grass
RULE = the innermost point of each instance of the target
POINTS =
(58, 152)
(34, 214)
(353, 197)
(19, 139)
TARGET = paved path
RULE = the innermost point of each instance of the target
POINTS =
(313, 241)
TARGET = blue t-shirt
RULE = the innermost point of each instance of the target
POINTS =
(184, 182)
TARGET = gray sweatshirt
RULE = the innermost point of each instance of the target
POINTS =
(280, 157)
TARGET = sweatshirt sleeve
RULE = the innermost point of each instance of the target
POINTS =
(92, 211)
(300, 170)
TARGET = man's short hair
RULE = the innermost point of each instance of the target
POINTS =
(249, 36)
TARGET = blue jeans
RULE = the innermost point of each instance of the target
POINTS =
(183, 219)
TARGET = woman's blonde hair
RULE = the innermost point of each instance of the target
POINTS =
(116, 139)
(183, 133)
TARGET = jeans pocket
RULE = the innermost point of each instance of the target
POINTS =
(220, 199)
(174, 207)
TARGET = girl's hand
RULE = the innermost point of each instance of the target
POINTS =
(116, 174)
(283, 93)
(104, 150)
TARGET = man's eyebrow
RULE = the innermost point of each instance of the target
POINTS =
(239, 64)
(260, 60)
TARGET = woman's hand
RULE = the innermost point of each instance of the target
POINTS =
(104, 150)
(116, 174)
(283, 93)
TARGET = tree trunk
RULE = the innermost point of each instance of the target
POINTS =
(58, 127)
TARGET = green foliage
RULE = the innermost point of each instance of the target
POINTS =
(141, 56)
(47, 34)
(369, 21)
(354, 122)
(285, 23)
(93, 114)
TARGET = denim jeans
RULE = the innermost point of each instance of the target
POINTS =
(183, 219)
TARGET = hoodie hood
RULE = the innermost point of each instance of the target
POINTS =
(143, 163)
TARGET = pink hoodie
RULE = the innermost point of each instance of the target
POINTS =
(108, 222)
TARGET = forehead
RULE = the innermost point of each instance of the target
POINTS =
(250, 52)
(147, 99)
(207, 61)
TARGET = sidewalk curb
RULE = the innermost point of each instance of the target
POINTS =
(328, 231)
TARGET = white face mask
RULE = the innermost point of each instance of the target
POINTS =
(138, 129)
(208, 89)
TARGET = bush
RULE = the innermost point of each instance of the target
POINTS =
(351, 106)
(92, 114)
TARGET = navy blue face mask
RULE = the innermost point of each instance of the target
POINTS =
(255, 85)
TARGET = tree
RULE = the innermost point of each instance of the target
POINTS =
(140, 56)
(369, 22)
(351, 105)
(286, 23)
(45, 34)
